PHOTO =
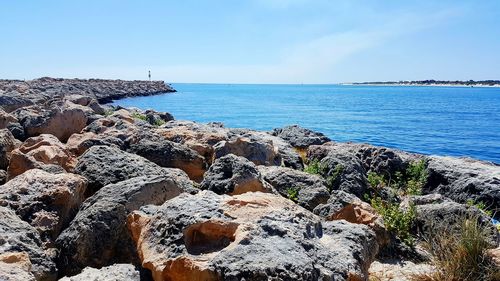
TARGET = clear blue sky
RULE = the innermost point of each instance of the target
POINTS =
(252, 41)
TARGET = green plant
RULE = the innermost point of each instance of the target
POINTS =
(459, 254)
(480, 205)
(376, 181)
(138, 115)
(315, 167)
(109, 112)
(159, 122)
(396, 220)
(293, 194)
(334, 177)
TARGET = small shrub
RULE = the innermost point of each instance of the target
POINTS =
(481, 206)
(137, 115)
(108, 112)
(376, 181)
(396, 220)
(293, 194)
(460, 256)
(159, 122)
(314, 167)
(332, 179)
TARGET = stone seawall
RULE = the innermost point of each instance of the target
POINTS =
(17, 93)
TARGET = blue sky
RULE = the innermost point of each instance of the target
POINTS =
(253, 41)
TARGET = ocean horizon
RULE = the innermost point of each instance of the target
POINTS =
(449, 121)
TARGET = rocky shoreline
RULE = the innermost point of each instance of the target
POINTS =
(95, 192)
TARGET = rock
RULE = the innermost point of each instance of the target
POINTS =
(248, 236)
(169, 154)
(345, 206)
(12, 101)
(311, 189)
(260, 153)
(300, 137)
(47, 201)
(448, 216)
(233, 175)
(3, 177)
(494, 254)
(398, 270)
(78, 99)
(7, 144)
(79, 143)
(60, 120)
(463, 179)
(17, 130)
(116, 272)
(103, 165)
(36, 151)
(18, 239)
(6, 119)
(97, 236)
(344, 171)
(157, 118)
(16, 266)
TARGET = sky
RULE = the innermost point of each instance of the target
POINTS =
(251, 41)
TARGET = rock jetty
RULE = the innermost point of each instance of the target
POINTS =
(90, 191)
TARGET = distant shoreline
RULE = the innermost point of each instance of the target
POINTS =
(421, 85)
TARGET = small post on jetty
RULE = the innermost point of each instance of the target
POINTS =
(149, 75)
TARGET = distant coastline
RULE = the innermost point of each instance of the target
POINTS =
(433, 83)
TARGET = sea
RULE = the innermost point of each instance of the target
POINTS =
(452, 121)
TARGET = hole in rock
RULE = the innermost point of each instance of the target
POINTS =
(209, 236)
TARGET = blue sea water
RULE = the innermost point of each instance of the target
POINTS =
(456, 121)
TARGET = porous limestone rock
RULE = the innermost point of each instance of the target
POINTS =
(116, 272)
(233, 175)
(47, 201)
(7, 144)
(97, 236)
(250, 236)
(300, 137)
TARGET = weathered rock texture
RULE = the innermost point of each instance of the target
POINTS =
(97, 236)
(18, 239)
(47, 201)
(117, 272)
(249, 236)
(300, 137)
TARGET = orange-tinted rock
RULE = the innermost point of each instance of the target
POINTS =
(5, 119)
(36, 151)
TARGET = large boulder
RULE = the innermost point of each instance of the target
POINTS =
(12, 101)
(247, 237)
(47, 201)
(463, 179)
(97, 236)
(259, 152)
(77, 144)
(300, 137)
(116, 272)
(169, 154)
(103, 165)
(7, 144)
(344, 171)
(446, 216)
(6, 119)
(40, 150)
(307, 190)
(18, 239)
(16, 266)
(233, 175)
(345, 206)
(59, 119)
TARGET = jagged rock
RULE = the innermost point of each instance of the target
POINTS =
(60, 120)
(15, 266)
(233, 175)
(97, 236)
(345, 171)
(79, 143)
(448, 216)
(199, 137)
(47, 201)
(17, 130)
(169, 154)
(12, 101)
(103, 165)
(311, 189)
(463, 179)
(398, 270)
(116, 272)
(344, 206)
(157, 118)
(18, 238)
(7, 144)
(40, 150)
(300, 137)
(6, 119)
(248, 236)
(260, 153)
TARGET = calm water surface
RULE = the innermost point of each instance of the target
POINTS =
(430, 120)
